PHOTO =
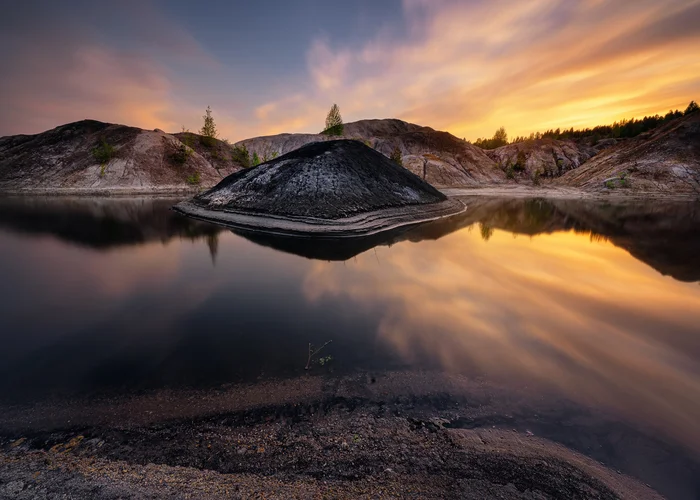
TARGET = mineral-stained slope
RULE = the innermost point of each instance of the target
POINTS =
(64, 160)
(437, 157)
(331, 183)
(664, 160)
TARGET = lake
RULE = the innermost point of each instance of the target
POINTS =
(597, 303)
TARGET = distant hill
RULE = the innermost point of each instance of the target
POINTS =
(439, 158)
(91, 156)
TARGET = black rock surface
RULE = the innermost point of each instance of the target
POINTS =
(325, 180)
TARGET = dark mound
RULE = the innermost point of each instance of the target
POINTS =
(326, 180)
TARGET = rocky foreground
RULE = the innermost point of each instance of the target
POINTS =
(398, 435)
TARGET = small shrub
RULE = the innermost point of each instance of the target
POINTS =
(241, 155)
(396, 156)
(510, 172)
(520, 162)
(624, 180)
(256, 160)
(269, 155)
(610, 184)
(181, 154)
(536, 178)
(104, 152)
(207, 141)
(194, 179)
(334, 130)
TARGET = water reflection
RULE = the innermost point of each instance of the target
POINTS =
(563, 294)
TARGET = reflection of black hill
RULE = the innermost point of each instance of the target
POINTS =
(100, 223)
(324, 248)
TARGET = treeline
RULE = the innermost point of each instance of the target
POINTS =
(618, 130)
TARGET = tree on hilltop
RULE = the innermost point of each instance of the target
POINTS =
(334, 122)
(208, 130)
(500, 138)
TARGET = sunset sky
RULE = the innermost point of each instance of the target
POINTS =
(268, 66)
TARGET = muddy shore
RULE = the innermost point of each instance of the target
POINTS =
(388, 435)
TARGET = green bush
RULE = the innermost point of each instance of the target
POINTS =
(510, 172)
(104, 152)
(241, 155)
(194, 179)
(536, 178)
(334, 130)
(396, 156)
(207, 141)
(256, 159)
(334, 122)
(181, 154)
(520, 162)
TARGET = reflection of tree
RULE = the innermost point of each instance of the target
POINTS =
(213, 244)
(486, 231)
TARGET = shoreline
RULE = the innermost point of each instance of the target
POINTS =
(384, 435)
(495, 190)
(360, 225)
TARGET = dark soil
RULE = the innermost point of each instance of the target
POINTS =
(328, 180)
(435, 445)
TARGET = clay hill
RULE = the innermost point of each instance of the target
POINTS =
(439, 158)
(91, 156)
(95, 157)
(340, 186)
(666, 159)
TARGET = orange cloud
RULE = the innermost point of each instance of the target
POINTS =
(470, 67)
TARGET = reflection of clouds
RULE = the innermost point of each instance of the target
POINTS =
(91, 288)
(582, 316)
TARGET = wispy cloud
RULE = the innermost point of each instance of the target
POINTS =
(463, 66)
(62, 69)
(469, 67)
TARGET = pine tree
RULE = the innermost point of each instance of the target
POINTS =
(334, 122)
(692, 108)
(208, 131)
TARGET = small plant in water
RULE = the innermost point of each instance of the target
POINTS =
(313, 352)
(325, 360)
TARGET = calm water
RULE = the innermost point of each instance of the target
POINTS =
(600, 302)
